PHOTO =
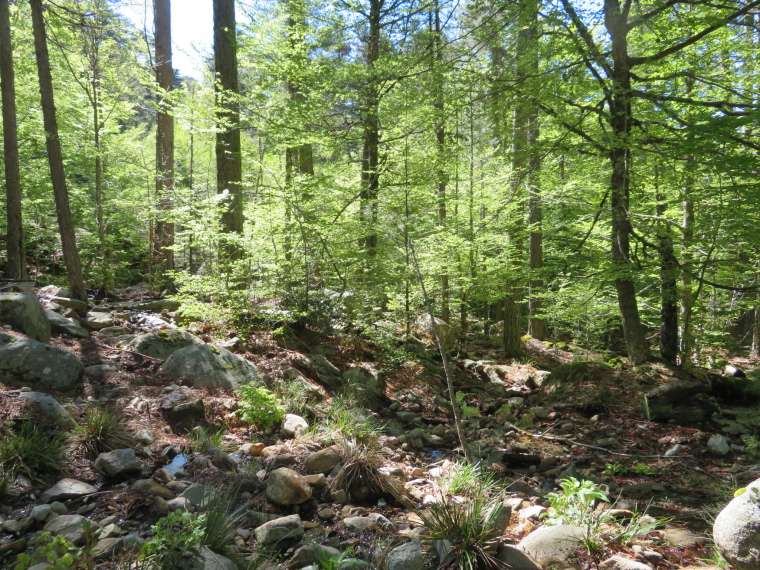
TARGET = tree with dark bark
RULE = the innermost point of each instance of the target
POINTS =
(228, 153)
(164, 230)
(55, 158)
(16, 268)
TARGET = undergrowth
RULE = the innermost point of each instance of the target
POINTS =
(32, 452)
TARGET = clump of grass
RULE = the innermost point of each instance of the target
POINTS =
(463, 478)
(32, 452)
(345, 419)
(103, 430)
(472, 527)
(361, 474)
(222, 520)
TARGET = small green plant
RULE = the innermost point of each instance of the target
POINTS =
(345, 419)
(751, 443)
(102, 430)
(643, 469)
(340, 561)
(55, 551)
(258, 406)
(575, 505)
(463, 478)
(176, 541)
(614, 468)
(467, 410)
(32, 452)
(471, 528)
(200, 437)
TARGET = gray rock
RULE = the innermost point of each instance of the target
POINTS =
(67, 489)
(62, 325)
(40, 512)
(199, 495)
(205, 365)
(644, 490)
(97, 320)
(186, 411)
(516, 559)
(383, 522)
(325, 370)
(144, 437)
(311, 392)
(113, 332)
(48, 408)
(151, 487)
(99, 371)
(280, 529)
(359, 524)
(163, 344)
(287, 487)
(26, 362)
(498, 516)
(292, 425)
(210, 560)
(621, 563)
(366, 380)
(736, 530)
(718, 445)
(552, 545)
(405, 557)
(117, 463)
(682, 401)
(23, 312)
(106, 548)
(69, 527)
(324, 460)
(75, 304)
(445, 330)
(312, 554)
(180, 504)
(20, 526)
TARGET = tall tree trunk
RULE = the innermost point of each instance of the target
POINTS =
(16, 268)
(440, 135)
(668, 284)
(536, 322)
(57, 175)
(616, 22)
(228, 155)
(164, 234)
(370, 175)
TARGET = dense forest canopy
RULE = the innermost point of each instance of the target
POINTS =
(557, 167)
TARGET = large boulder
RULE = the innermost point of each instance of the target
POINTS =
(26, 362)
(287, 487)
(736, 530)
(63, 325)
(163, 344)
(283, 528)
(366, 380)
(47, 408)
(682, 401)
(552, 545)
(23, 312)
(205, 365)
(445, 330)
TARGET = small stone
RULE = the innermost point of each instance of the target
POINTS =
(144, 437)
(67, 489)
(117, 463)
(279, 529)
(287, 487)
(41, 512)
(150, 487)
(316, 480)
(326, 514)
(718, 445)
(292, 426)
(359, 524)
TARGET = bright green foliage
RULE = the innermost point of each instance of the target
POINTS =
(176, 541)
(32, 452)
(258, 406)
(221, 520)
(345, 419)
(576, 503)
(464, 478)
(53, 550)
(103, 430)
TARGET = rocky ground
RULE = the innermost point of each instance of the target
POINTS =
(561, 412)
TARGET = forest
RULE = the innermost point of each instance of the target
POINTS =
(560, 167)
(483, 271)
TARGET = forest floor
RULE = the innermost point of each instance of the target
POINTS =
(603, 434)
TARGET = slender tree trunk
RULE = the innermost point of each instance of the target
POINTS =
(536, 322)
(164, 234)
(55, 159)
(616, 22)
(440, 135)
(668, 285)
(228, 152)
(370, 176)
(15, 244)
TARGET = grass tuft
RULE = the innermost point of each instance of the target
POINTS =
(103, 430)
(32, 452)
